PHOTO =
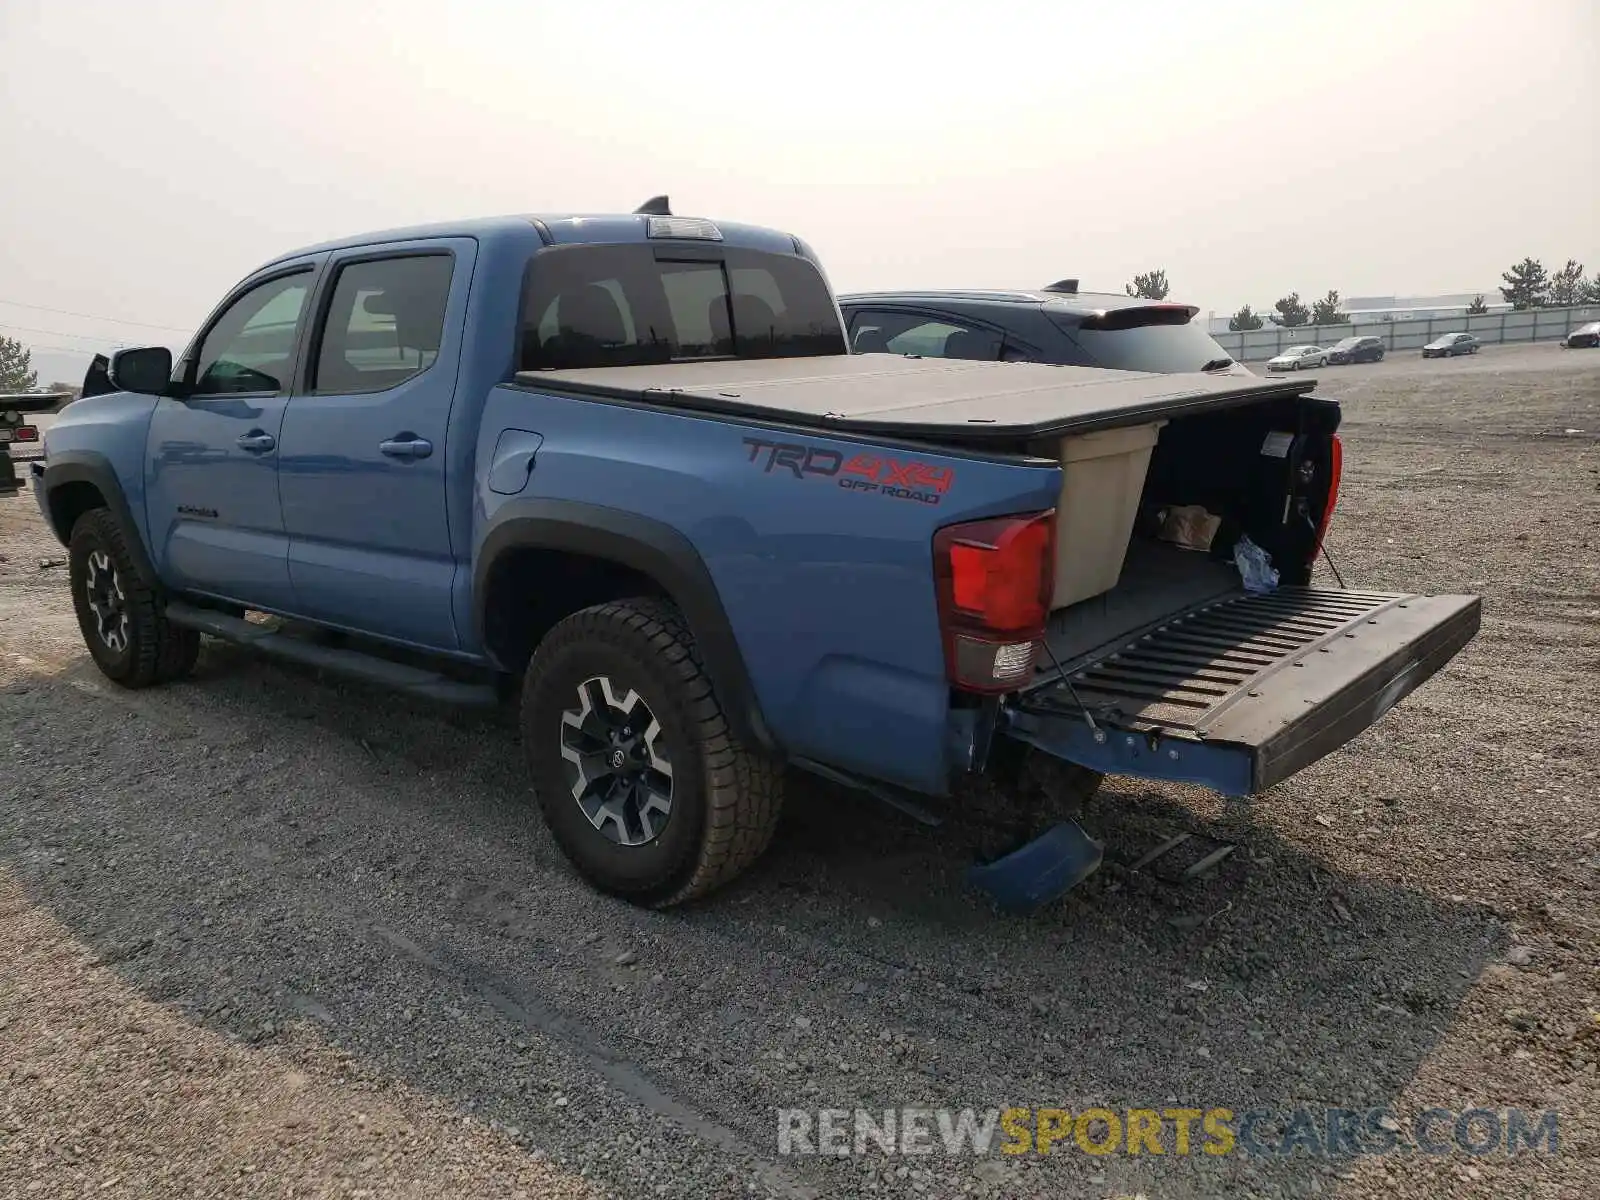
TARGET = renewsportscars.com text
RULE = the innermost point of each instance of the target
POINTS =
(1321, 1132)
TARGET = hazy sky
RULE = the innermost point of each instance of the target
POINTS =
(155, 152)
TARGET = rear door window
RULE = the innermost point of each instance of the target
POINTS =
(889, 332)
(384, 323)
(598, 306)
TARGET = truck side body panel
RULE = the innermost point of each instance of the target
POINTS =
(488, 357)
(211, 467)
(825, 573)
(359, 519)
(104, 437)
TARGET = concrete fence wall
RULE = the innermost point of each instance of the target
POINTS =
(1534, 325)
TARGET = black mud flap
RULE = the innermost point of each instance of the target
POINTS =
(1239, 694)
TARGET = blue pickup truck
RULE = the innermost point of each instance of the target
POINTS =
(626, 468)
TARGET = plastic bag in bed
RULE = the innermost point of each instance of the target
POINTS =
(1255, 566)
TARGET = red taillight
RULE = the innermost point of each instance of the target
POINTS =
(1335, 469)
(994, 580)
(25, 433)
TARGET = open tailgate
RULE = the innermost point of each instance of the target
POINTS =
(1240, 693)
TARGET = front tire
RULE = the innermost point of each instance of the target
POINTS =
(641, 781)
(120, 613)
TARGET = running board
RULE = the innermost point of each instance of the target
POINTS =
(355, 664)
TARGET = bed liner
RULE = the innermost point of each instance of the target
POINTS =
(926, 397)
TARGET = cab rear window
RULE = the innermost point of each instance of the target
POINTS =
(609, 306)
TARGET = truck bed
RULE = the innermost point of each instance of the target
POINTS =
(1158, 582)
(907, 397)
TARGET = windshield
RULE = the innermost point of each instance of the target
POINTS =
(1348, 344)
(1165, 348)
(610, 306)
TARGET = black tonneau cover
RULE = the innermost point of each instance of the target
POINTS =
(918, 397)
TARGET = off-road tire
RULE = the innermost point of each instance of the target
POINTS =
(726, 796)
(154, 650)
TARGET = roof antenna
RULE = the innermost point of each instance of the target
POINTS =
(656, 206)
(1069, 286)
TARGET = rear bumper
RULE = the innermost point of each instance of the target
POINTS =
(1240, 694)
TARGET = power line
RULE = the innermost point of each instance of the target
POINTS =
(62, 312)
(86, 337)
(66, 349)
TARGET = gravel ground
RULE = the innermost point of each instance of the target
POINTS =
(261, 893)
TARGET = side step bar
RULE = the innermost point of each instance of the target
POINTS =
(356, 664)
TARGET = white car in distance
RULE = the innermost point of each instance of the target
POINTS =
(1295, 358)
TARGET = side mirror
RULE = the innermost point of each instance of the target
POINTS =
(145, 369)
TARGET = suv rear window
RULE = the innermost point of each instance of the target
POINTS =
(613, 306)
(1165, 347)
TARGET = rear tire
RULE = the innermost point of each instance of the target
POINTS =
(120, 613)
(639, 777)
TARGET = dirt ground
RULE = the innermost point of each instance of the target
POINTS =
(268, 934)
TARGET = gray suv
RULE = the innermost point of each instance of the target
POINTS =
(1056, 324)
(1357, 350)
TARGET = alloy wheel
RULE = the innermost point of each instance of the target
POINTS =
(107, 602)
(619, 773)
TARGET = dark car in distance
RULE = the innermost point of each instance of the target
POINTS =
(1450, 345)
(1584, 337)
(1357, 350)
(1056, 324)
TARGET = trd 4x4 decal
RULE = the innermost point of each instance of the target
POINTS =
(900, 479)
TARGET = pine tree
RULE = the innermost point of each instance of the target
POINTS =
(16, 366)
(1527, 285)
(1244, 320)
(1327, 311)
(1567, 286)
(1291, 313)
(1151, 285)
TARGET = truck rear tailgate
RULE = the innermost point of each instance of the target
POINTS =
(1241, 692)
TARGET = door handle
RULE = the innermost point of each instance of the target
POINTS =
(406, 446)
(257, 442)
